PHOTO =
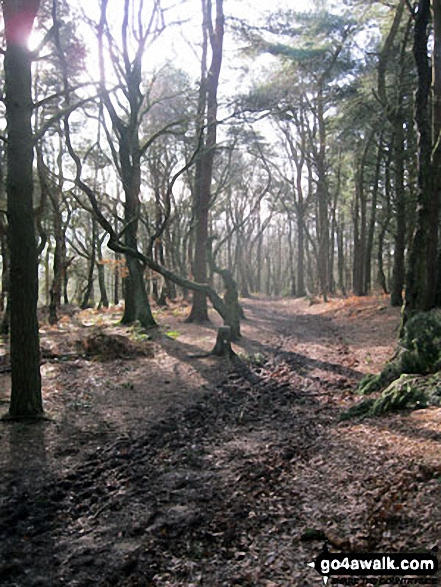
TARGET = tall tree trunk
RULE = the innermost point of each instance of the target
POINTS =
(292, 273)
(59, 267)
(5, 265)
(89, 293)
(341, 255)
(357, 271)
(384, 226)
(26, 400)
(418, 278)
(398, 272)
(137, 306)
(104, 300)
(360, 225)
(127, 153)
(394, 112)
(323, 200)
(116, 279)
(373, 219)
(300, 216)
(203, 189)
(432, 254)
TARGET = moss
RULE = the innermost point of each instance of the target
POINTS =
(360, 410)
(410, 392)
(412, 379)
(422, 338)
(403, 393)
(371, 383)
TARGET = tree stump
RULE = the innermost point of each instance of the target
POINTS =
(222, 348)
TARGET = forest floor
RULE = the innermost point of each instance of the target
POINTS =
(166, 469)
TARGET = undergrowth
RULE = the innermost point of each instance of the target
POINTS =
(412, 378)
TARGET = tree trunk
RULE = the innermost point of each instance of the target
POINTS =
(89, 293)
(104, 300)
(373, 219)
(59, 264)
(398, 272)
(5, 265)
(203, 188)
(384, 225)
(360, 226)
(341, 255)
(323, 200)
(116, 279)
(417, 274)
(26, 400)
(357, 271)
(292, 274)
(137, 306)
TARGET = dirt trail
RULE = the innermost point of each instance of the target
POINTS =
(181, 472)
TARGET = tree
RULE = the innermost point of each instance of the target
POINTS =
(421, 283)
(392, 100)
(26, 401)
(207, 112)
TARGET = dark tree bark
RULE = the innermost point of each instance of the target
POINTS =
(204, 171)
(395, 115)
(53, 193)
(88, 294)
(292, 286)
(5, 265)
(26, 398)
(398, 273)
(373, 218)
(360, 227)
(341, 255)
(357, 275)
(323, 200)
(384, 225)
(127, 153)
(104, 299)
(420, 286)
(116, 279)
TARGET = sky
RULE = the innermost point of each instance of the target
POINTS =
(180, 43)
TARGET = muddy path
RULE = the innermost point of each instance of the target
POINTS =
(239, 473)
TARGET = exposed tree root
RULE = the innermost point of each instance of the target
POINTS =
(412, 379)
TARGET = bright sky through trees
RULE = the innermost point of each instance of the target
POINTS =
(180, 42)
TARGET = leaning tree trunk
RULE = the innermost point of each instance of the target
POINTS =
(26, 398)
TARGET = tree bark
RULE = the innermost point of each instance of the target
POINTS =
(104, 299)
(89, 293)
(418, 291)
(205, 172)
(398, 272)
(26, 400)
(373, 219)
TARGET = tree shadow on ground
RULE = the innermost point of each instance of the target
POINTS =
(27, 511)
